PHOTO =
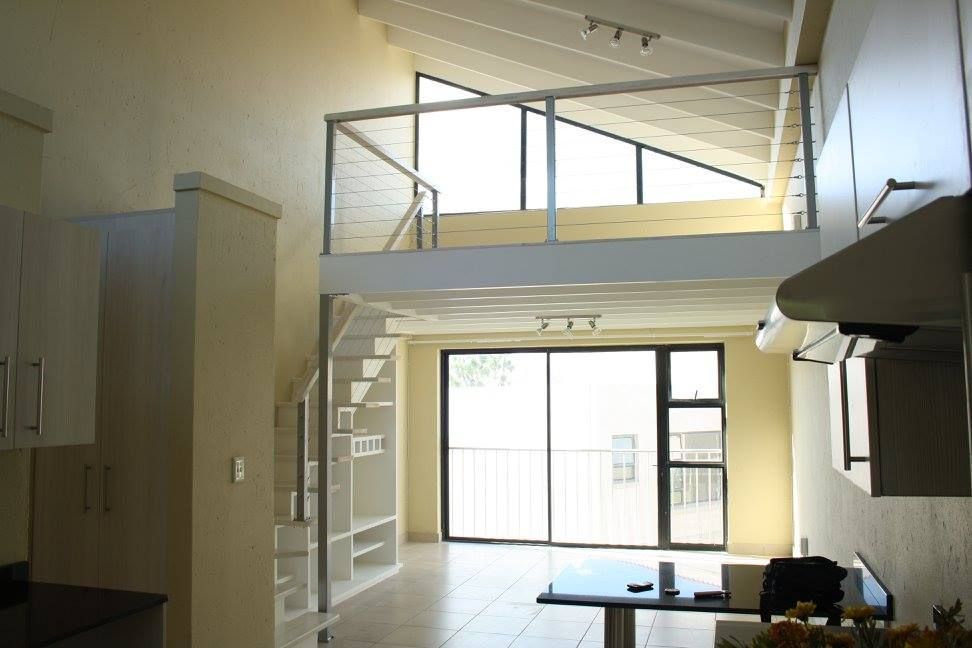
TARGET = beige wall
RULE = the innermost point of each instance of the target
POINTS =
(621, 221)
(758, 431)
(144, 90)
(220, 533)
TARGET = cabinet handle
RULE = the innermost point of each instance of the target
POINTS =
(5, 396)
(889, 186)
(104, 487)
(845, 420)
(84, 497)
(40, 364)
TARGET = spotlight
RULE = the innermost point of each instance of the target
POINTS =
(615, 41)
(595, 329)
(542, 326)
(569, 329)
(646, 48)
(591, 28)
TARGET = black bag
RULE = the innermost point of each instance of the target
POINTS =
(815, 578)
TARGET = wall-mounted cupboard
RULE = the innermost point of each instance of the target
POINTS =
(49, 319)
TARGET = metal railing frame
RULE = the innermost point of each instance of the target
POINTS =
(801, 73)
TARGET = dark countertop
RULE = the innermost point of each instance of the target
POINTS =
(603, 583)
(39, 614)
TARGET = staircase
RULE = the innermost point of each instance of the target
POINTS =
(363, 541)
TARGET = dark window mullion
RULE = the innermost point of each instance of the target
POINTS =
(639, 177)
(523, 158)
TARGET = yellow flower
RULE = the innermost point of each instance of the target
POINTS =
(802, 611)
(858, 612)
(840, 640)
(900, 633)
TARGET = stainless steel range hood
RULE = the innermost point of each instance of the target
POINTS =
(914, 274)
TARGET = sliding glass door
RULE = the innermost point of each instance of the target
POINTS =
(585, 446)
(604, 461)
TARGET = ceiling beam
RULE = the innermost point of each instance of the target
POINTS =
(695, 29)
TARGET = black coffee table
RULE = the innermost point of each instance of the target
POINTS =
(603, 583)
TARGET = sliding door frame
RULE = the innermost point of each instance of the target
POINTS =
(664, 402)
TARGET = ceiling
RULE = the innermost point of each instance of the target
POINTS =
(499, 46)
(654, 305)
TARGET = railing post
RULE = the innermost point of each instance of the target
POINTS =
(328, 185)
(551, 170)
(435, 218)
(303, 429)
(325, 401)
(809, 178)
(420, 229)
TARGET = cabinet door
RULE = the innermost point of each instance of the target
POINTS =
(836, 198)
(908, 107)
(65, 512)
(58, 336)
(11, 229)
(132, 417)
(849, 432)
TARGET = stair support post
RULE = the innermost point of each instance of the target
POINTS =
(329, 140)
(325, 400)
(809, 177)
(551, 118)
(303, 432)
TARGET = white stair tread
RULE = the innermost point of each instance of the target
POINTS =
(286, 589)
(366, 404)
(366, 356)
(381, 380)
(293, 631)
(365, 575)
(361, 523)
(374, 336)
(290, 553)
(287, 521)
(349, 431)
(361, 547)
(283, 580)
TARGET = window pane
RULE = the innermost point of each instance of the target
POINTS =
(473, 155)
(603, 452)
(666, 179)
(497, 419)
(695, 374)
(695, 434)
(592, 169)
(696, 505)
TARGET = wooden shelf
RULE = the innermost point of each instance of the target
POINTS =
(361, 547)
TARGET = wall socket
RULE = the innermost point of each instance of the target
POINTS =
(239, 469)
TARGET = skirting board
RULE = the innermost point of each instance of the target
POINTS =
(424, 536)
(757, 549)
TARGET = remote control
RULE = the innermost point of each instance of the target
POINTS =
(641, 587)
(714, 594)
(672, 591)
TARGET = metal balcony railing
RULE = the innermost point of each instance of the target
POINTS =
(704, 154)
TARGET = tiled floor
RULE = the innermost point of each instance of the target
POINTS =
(458, 595)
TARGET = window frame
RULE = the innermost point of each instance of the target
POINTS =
(639, 147)
(665, 465)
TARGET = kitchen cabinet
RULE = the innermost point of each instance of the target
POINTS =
(898, 426)
(50, 289)
(113, 494)
(907, 105)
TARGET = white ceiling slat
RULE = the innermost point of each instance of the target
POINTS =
(710, 148)
(729, 37)
(447, 305)
(599, 307)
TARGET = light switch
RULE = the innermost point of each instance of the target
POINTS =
(239, 469)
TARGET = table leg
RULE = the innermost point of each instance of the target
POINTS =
(619, 627)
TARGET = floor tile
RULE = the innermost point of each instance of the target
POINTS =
(513, 609)
(498, 625)
(467, 639)
(346, 643)
(440, 619)
(364, 631)
(569, 613)
(416, 637)
(481, 593)
(681, 637)
(456, 604)
(417, 602)
(380, 614)
(557, 629)
(543, 642)
(688, 620)
(595, 634)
